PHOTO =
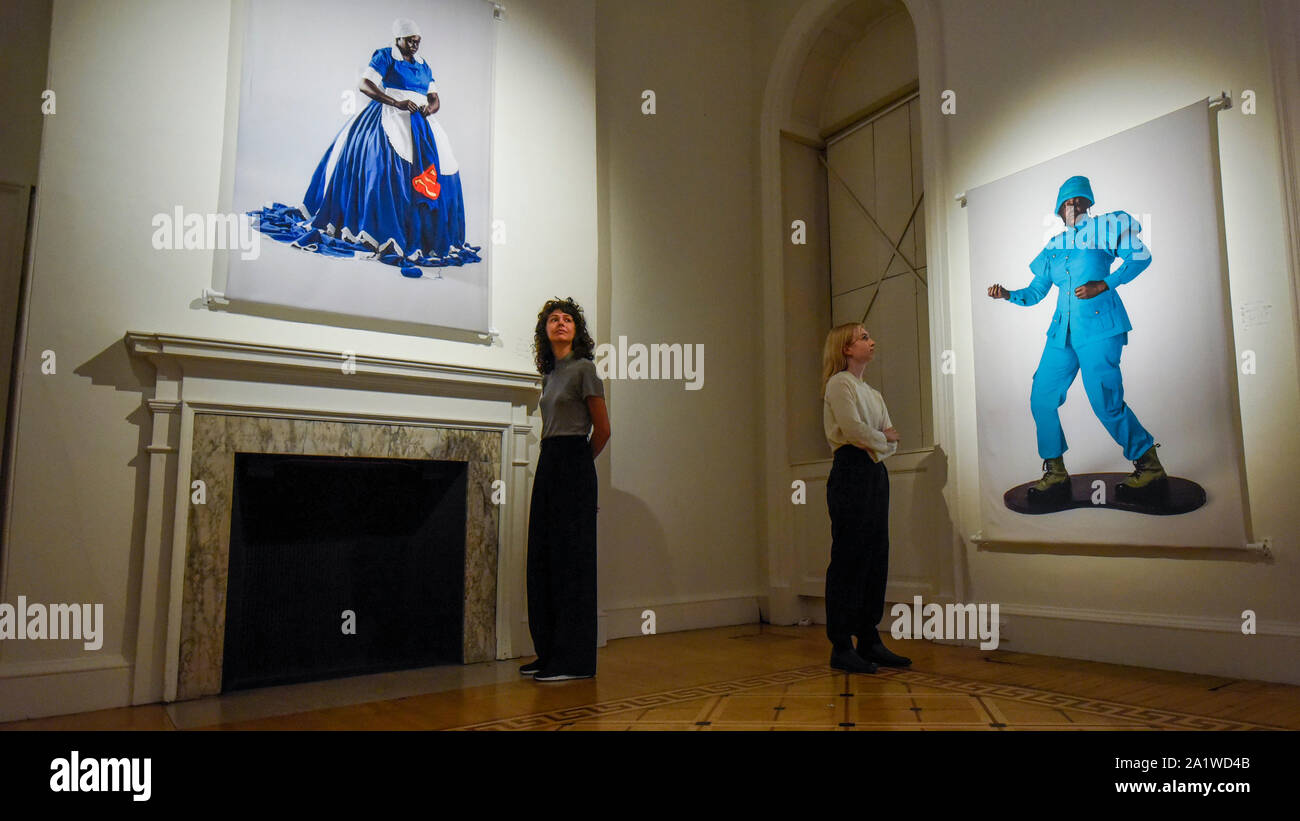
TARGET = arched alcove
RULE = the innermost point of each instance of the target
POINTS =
(845, 176)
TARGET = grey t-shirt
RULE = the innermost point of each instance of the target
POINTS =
(564, 397)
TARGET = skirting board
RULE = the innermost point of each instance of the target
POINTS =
(674, 617)
(669, 617)
(1273, 654)
(1212, 647)
(37, 690)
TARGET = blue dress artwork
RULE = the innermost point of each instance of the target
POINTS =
(388, 187)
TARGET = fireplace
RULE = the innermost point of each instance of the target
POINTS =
(342, 566)
(228, 418)
(221, 440)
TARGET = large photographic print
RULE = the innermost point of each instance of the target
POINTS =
(362, 159)
(1102, 333)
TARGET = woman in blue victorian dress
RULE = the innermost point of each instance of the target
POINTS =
(389, 186)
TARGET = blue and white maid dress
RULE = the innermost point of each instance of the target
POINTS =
(389, 187)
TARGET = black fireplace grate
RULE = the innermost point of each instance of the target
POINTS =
(343, 566)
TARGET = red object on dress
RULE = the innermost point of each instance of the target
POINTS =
(427, 183)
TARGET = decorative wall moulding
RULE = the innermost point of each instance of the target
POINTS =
(186, 349)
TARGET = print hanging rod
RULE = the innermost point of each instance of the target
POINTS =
(1263, 547)
(214, 300)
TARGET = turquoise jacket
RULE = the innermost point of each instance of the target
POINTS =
(1082, 254)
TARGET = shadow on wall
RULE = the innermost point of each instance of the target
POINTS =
(115, 366)
(632, 554)
(932, 522)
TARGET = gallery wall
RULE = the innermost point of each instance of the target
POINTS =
(134, 136)
(853, 80)
(880, 64)
(652, 222)
(660, 271)
(1022, 97)
(1029, 88)
(678, 526)
(23, 52)
(23, 98)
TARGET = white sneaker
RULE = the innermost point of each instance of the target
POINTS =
(559, 677)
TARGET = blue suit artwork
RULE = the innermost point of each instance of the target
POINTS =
(1086, 334)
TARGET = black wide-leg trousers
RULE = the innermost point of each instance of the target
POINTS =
(857, 494)
(562, 557)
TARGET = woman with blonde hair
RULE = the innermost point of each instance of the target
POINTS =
(862, 436)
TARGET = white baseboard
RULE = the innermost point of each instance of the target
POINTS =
(1214, 624)
(1188, 644)
(1208, 646)
(673, 617)
(54, 688)
(670, 617)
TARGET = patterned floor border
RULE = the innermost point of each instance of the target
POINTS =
(1152, 717)
(1143, 718)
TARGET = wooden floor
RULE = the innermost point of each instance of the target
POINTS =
(759, 677)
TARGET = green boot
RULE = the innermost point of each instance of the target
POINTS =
(1055, 484)
(1149, 479)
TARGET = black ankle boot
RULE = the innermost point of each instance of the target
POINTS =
(851, 662)
(882, 655)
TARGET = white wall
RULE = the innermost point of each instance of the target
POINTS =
(24, 48)
(878, 66)
(666, 249)
(24, 52)
(1024, 95)
(678, 528)
(135, 136)
(881, 162)
(807, 298)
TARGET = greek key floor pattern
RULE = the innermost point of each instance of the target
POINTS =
(818, 698)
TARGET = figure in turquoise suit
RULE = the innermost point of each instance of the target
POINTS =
(1088, 333)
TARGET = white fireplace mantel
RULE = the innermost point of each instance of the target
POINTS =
(212, 376)
(170, 348)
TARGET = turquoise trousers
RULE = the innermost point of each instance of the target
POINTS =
(1099, 361)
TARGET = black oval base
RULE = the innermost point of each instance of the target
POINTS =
(1183, 496)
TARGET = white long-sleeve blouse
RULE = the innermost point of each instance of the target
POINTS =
(854, 413)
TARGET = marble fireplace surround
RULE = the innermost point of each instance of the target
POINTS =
(214, 398)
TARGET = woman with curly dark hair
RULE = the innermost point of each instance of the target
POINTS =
(562, 519)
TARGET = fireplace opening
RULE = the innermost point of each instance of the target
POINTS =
(343, 566)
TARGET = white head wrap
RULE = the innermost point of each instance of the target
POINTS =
(403, 27)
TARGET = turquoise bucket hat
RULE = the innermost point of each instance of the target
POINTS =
(1071, 188)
